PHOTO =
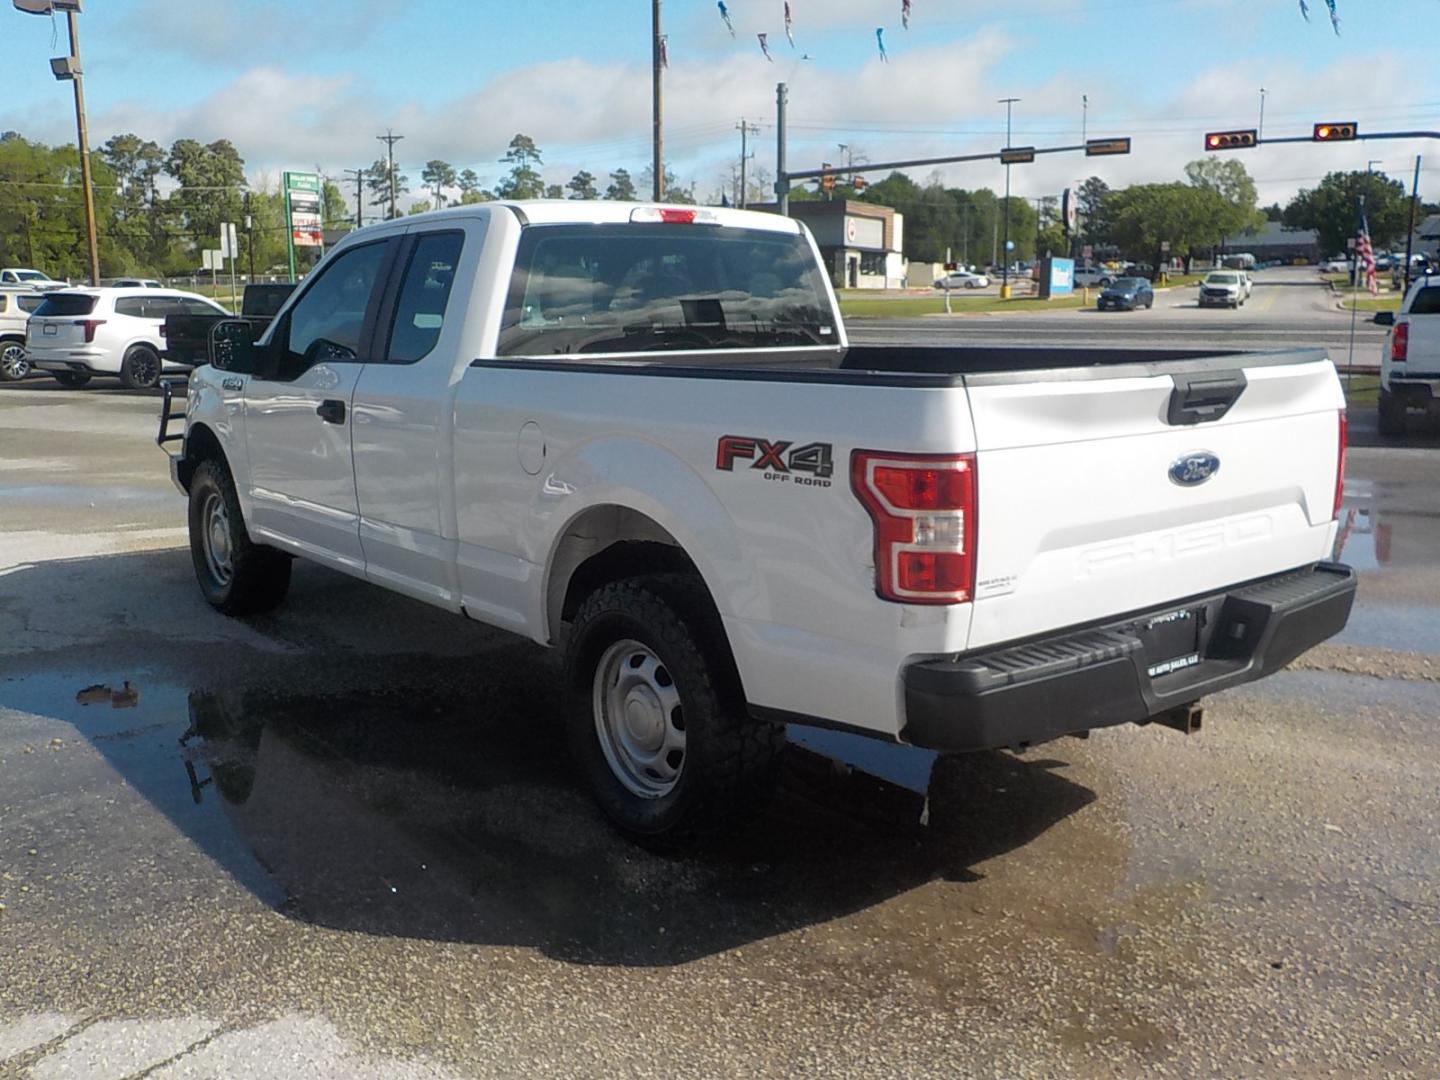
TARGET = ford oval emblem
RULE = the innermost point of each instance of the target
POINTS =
(1194, 468)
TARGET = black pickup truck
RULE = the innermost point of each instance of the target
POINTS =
(187, 337)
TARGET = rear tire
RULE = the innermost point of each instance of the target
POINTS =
(14, 364)
(71, 380)
(140, 370)
(1392, 414)
(657, 719)
(236, 575)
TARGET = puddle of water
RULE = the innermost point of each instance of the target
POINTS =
(451, 812)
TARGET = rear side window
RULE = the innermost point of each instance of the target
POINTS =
(1427, 301)
(133, 306)
(29, 303)
(66, 304)
(639, 288)
(190, 306)
(420, 311)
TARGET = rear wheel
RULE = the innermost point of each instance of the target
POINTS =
(657, 720)
(140, 370)
(1392, 414)
(14, 364)
(236, 575)
(71, 380)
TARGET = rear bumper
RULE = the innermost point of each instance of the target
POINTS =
(1075, 681)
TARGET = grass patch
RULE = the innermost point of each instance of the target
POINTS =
(1373, 303)
(960, 305)
(1362, 391)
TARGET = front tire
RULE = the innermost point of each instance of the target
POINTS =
(657, 720)
(140, 370)
(14, 364)
(1392, 414)
(71, 380)
(236, 575)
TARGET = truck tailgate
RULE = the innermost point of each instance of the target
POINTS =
(1100, 495)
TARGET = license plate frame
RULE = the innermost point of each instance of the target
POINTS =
(48, 329)
(1171, 640)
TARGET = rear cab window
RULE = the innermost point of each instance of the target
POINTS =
(1427, 301)
(588, 289)
(63, 304)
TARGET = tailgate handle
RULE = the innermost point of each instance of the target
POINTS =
(1198, 399)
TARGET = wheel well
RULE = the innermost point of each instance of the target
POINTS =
(604, 544)
(201, 444)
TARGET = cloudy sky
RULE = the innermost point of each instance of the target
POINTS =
(299, 84)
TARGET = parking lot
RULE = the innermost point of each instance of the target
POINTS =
(343, 840)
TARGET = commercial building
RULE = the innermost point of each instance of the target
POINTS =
(860, 242)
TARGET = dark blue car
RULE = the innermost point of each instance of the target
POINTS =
(1127, 294)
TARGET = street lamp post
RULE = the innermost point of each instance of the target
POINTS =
(69, 68)
(1005, 270)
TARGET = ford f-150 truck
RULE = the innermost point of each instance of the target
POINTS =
(640, 434)
(1410, 358)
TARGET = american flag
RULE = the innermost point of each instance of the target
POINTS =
(1365, 253)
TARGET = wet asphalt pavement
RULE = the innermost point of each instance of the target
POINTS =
(343, 840)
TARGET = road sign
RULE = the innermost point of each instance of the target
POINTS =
(1017, 155)
(229, 245)
(302, 181)
(1164, 245)
(1087, 252)
(302, 213)
(1071, 211)
(1105, 147)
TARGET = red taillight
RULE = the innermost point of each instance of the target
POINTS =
(1400, 342)
(1340, 462)
(90, 326)
(924, 509)
(677, 217)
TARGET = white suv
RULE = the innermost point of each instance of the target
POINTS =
(16, 304)
(79, 333)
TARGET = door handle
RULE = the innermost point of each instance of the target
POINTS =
(332, 412)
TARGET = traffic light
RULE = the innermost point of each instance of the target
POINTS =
(859, 183)
(1105, 147)
(1231, 140)
(1017, 155)
(827, 182)
(1345, 131)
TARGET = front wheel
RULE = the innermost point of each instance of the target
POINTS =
(14, 364)
(657, 720)
(236, 575)
(1392, 414)
(71, 380)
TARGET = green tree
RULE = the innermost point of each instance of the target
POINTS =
(1332, 209)
(467, 182)
(1188, 216)
(1227, 178)
(377, 179)
(582, 186)
(438, 175)
(1092, 207)
(337, 210)
(421, 206)
(42, 215)
(212, 184)
(524, 181)
(1274, 212)
(554, 191)
(622, 188)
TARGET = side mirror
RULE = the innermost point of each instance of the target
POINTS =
(1385, 318)
(232, 346)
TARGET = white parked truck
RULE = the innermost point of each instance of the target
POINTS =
(1410, 358)
(639, 433)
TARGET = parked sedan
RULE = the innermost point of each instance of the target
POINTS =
(1127, 294)
(962, 279)
(77, 334)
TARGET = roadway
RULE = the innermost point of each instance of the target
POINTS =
(342, 840)
(1290, 308)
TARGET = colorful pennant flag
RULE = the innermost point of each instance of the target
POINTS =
(765, 47)
(880, 41)
(789, 25)
(725, 14)
(905, 14)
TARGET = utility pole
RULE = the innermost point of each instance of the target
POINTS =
(84, 136)
(1410, 235)
(1084, 117)
(782, 181)
(1260, 131)
(359, 175)
(1005, 272)
(746, 129)
(656, 45)
(390, 139)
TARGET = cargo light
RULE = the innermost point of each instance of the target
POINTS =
(924, 511)
(665, 215)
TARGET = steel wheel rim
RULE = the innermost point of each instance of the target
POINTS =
(13, 362)
(639, 720)
(146, 366)
(215, 538)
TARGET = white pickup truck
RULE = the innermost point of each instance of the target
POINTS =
(1410, 359)
(639, 433)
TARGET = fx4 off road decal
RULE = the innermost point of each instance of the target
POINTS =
(810, 465)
